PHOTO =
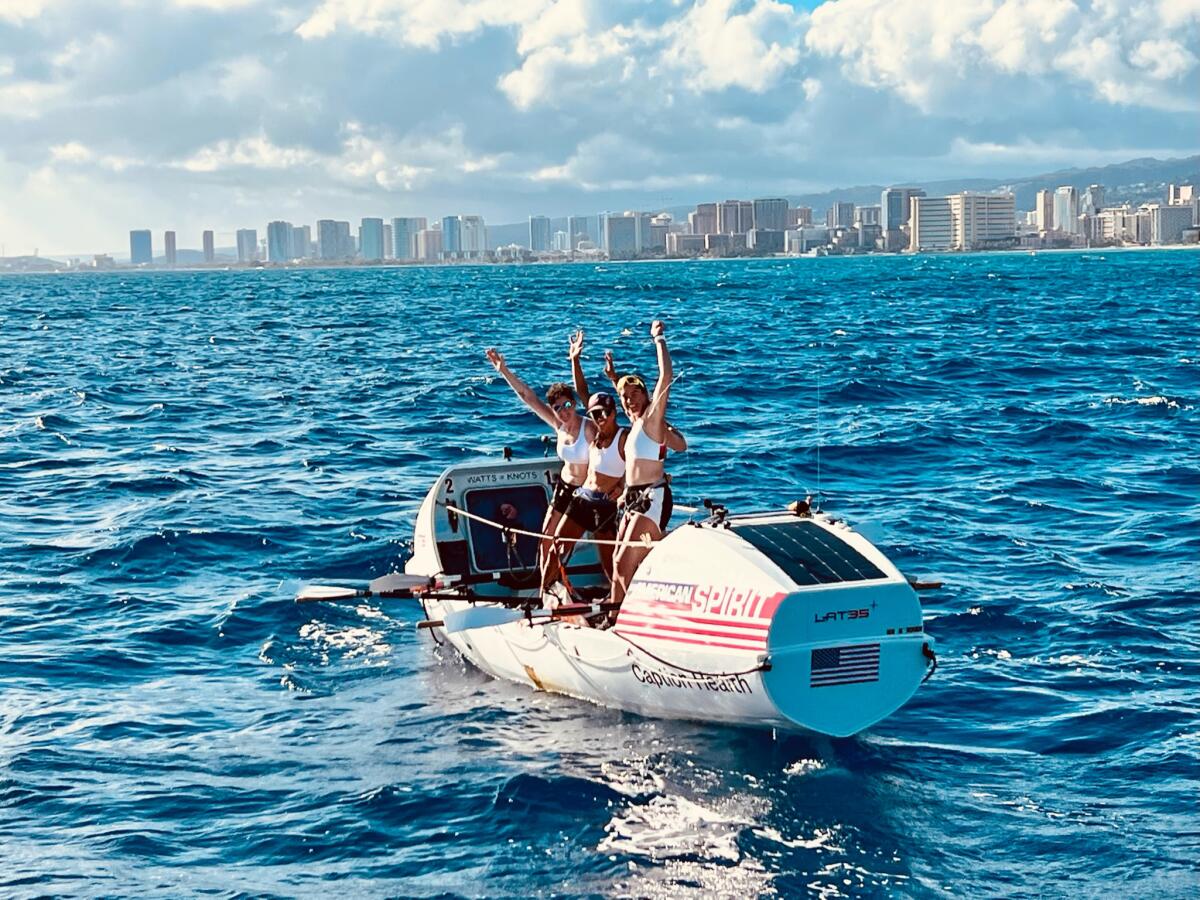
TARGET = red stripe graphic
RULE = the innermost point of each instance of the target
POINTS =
(682, 640)
(642, 622)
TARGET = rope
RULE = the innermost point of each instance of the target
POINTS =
(534, 534)
(761, 667)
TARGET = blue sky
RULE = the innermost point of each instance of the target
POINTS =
(192, 114)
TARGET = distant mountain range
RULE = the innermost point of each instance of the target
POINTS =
(1135, 181)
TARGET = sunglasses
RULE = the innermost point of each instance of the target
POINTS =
(566, 404)
(599, 415)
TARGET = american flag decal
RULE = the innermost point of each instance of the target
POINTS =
(854, 664)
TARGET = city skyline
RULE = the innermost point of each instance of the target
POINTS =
(212, 113)
(906, 219)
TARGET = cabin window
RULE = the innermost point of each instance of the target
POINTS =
(808, 553)
(518, 506)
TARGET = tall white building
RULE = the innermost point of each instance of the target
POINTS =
(932, 224)
(1066, 209)
(1044, 209)
(473, 237)
(966, 221)
(247, 244)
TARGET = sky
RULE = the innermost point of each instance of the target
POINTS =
(194, 114)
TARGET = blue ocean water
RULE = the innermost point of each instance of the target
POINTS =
(180, 451)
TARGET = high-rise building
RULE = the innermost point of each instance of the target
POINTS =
(429, 244)
(655, 237)
(771, 214)
(169, 247)
(868, 215)
(966, 221)
(984, 221)
(141, 247)
(247, 244)
(404, 236)
(451, 237)
(704, 219)
(560, 242)
(473, 237)
(734, 216)
(621, 236)
(931, 221)
(1168, 222)
(329, 240)
(370, 239)
(799, 216)
(1180, 194)
(1044, 210)
(578, 230)
(388, 249)
(279, 241)
(539, 234)
(840, 215)
(895, 206)
(301, 242)
(1092, 200)
(210, 252)
(1066, 209)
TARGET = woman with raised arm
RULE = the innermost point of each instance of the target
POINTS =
(573, 435)
(647, 499)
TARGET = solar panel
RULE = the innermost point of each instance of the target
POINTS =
(808, 553)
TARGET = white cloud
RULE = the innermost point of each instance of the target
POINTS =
(419, 23)
(1163, 59)
(933, 52)
(720, 47)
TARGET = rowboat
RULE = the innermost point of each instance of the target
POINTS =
(786, 619)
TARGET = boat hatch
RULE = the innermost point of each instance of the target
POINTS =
(518, 506)
(808, 553)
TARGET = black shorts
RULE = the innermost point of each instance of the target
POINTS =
(653, 501)
(594, 512)
(560, 499)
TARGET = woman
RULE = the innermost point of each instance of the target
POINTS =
(594, 505)
(573, 439)
(647, 499)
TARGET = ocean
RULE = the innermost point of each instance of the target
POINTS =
(180, 451)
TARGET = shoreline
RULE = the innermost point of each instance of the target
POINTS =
(323, 266)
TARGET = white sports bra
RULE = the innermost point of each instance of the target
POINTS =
(607, 460)
(577, 451)
(639, 446)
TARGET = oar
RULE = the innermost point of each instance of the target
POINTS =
(489, 616)
(395, 585)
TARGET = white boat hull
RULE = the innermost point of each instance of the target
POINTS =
(767, 621)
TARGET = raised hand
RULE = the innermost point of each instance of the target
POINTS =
(610, 367)
(657, 329)
(495, 359)
(575, 348)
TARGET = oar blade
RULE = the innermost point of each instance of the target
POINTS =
(316, 592)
